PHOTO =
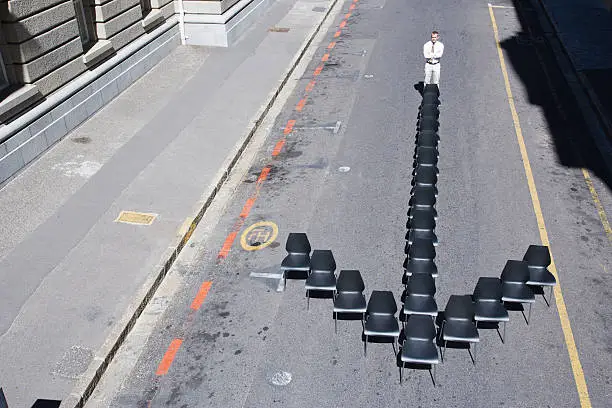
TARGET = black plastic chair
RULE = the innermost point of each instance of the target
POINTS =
(425, 156)
(425, 176)
(431, 89)
(349, 297)
(514, 279)
(419, 346)
(380, 318)
(488, 305)
(419, 294)
(414, 266)
(458, 324)
(428, 123)
(298, 257)
(421, 249)
(538, 259)
(421, 225)
(322, 277)
(422, 197)
(430, 99)
(427, 139)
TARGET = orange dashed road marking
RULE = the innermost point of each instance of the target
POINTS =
(310, 85)
(289, 127)
(337, 34)
(301, 105)
(325, 57)
(166, 362)
(342, 24)
(202, 293)
(278, 147)
(352, 7)
(331, 45)
(318, 70)
(347, 16)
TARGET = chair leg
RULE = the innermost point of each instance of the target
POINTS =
(307, 299)
(529, 318)
(433, 366)
(393, 344)
(474, 354)
(443, 350)
(335, 323)
(401, 370)
(550, 296)
(365, 347)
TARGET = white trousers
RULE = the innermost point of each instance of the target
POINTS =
(432, 73)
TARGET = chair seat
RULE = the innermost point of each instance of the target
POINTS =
(419, 352)
(296, 262)
(321, 281)
(490, 311)
(421, 284)
(516, 292)
(381, 325)
(459, 307)
(460, 330)
(541, 277)
(350, 302)
(420, 305)
(422, 249)
(426, 176)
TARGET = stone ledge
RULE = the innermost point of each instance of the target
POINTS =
(154, 18)
(19, 100)
(100, 49)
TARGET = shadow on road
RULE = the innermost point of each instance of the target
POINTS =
(529, 54)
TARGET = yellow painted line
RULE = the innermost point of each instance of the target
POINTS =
(259, 236)
(600, 209)
(581, 386)
(136, 218)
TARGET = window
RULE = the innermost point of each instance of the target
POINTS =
(85, 21)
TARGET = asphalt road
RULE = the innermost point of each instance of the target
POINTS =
(251, 346)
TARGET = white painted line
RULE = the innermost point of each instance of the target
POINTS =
(337, 127)
(267, 275)
(501, 7)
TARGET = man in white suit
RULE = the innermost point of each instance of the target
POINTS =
(432, 51)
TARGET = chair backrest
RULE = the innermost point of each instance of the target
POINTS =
(537, 256)
(422, 218)
(488, 289)
(426, 175)
(322, 260)
(422, 249)
(382, 302)
(459, 307)
(350, 281)
(297, 243)
(421, 284)
(420, 327)
(515, 272)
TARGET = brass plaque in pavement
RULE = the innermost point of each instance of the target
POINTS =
(133, 217)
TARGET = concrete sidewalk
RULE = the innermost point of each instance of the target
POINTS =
(73, 279)
(584, 28)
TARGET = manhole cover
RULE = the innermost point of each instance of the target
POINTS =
(138, 218)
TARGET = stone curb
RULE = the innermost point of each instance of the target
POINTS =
(90, 379)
